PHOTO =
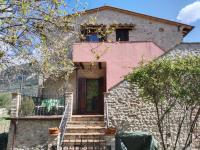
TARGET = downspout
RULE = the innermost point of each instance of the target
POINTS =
(14, 122)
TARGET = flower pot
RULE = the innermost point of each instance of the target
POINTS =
(110, 131)
(53, 130)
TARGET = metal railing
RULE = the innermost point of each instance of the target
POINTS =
(106, 113)
(65, 118)
(63, 125)
(83, 143)
(41, 106)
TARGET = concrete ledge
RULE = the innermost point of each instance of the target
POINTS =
(54, 117)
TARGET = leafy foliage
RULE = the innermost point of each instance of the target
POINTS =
(171, 84)
(33, 31)
(42, 33)
(27, 106)
(5, 99)
(166, 78)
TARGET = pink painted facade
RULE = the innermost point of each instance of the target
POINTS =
(120, 57)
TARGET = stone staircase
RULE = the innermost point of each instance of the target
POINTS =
(85, 132)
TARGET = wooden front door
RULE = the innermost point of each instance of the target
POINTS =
(90, 96)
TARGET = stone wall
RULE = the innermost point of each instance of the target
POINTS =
(128, 113)
(145, 30)
(15, 104)
(184, 49)
(4, 124)
(30, 134)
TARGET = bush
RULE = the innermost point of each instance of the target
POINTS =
(5, 100)
(27, 106)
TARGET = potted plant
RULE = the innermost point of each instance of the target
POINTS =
(110, 131)
(54, 130)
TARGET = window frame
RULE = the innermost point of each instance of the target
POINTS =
(88, 30)
(120, 31)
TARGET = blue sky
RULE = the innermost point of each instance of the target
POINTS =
(168, 9)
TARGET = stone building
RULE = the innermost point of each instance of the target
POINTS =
(97, 97)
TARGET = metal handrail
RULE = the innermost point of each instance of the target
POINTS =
(106, 114)
(63, 125)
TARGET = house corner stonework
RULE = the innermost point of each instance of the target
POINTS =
(129, 113)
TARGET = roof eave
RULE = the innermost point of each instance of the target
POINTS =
(140, 15)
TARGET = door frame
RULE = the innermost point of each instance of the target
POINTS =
(82, 96)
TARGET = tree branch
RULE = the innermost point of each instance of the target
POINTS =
(187, 142)
(179, 130)
(159, 126)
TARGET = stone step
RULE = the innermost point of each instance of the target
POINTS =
(84, 147)
(87, 118)
(85, 125)
(86, 129)
(83, 141)
(93, 135)
(101, 123)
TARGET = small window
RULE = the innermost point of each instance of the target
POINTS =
(122, 34)
(93, 38)
(93, 34)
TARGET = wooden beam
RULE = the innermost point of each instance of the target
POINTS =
(100, 65)
(123, 26)
(82, 66)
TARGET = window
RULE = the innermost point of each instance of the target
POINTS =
(122, 34)
(93, 38)
(93, 33)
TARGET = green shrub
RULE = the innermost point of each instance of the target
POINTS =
(27, 106)
(5, 100)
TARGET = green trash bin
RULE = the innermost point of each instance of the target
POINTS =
(135, 141)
